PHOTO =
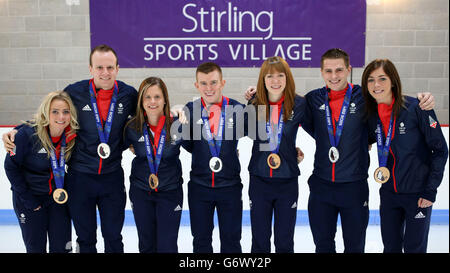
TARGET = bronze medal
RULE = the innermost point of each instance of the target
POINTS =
(381, 175)
(274, 161)
(153, 181)
(60, 196)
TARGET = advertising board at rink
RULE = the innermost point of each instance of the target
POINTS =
(232, 33)
(210, 52)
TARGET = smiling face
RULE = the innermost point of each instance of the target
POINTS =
(210, 86)
(275, 83)
(335, 73)
(59, 117)
(153, 101)
(379, 86)
(104, 69)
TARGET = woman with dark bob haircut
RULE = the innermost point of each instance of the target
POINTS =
(412, 153)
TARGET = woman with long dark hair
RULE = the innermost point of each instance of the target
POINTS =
(156, 191)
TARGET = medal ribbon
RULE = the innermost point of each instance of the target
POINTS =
(214, 146)
(58, 170)
(334, 140)
(103, 132)
(383, 150)
(276, 147)
(153, 161)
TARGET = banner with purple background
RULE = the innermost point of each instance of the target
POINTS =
(232, 33)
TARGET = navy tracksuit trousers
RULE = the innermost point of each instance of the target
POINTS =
(327, 200)
(277, 197)
(51, 220)
(202, 203)
(87, 192)
(404, 226)
(157, 216)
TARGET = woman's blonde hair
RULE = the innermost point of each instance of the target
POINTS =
(41, 122)
(272, 65)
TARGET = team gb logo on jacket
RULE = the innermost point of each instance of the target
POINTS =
(402, 128)
(433, 123)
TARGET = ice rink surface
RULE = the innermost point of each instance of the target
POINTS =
(438, 239)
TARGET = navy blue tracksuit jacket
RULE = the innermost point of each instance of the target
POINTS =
(353, 160)
(169, 171)
(29, 170)
(85, 158)
(289, 167)
(418, 152)
(93, 182)
(157, 212)
(198, 146)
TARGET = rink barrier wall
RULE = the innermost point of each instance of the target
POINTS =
(438, 217)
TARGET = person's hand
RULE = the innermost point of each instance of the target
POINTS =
(426, 101)
(182, 117)
(132, 149)
(178, 112)
(8, 141)
(38, 208)
(370, 147)
(424, 203)
(300, 155)
(248, 94)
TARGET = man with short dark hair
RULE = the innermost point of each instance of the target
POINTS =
(215, 181)
(338, 184)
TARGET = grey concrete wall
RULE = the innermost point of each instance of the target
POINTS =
(44, 45)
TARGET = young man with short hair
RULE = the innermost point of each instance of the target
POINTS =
(95, 178)
(215, 181)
